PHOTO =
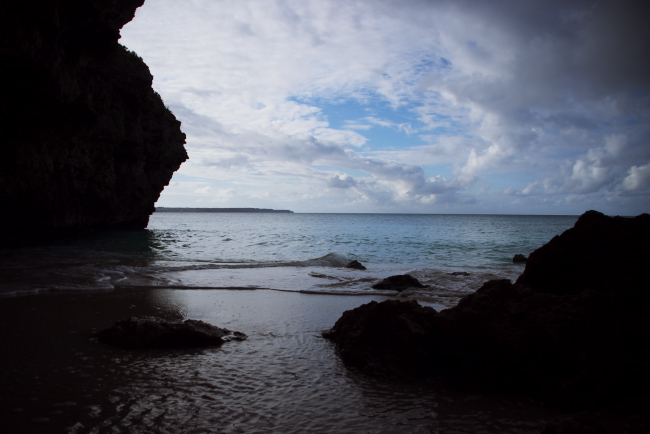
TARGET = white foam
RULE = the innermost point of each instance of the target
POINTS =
(330, 260)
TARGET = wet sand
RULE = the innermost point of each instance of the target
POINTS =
(284, 378)
(50, 366)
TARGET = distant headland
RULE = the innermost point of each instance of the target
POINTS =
(254, 210)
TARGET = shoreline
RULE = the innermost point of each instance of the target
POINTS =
(444, 289)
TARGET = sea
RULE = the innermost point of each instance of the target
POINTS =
(281, 280)
(287, 252)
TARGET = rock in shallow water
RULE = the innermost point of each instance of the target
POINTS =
(143, 333)
(399, 283)
(391, 338)
(557, 332)
(356, 265)
(519, 259)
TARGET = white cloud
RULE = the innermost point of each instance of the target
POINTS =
(351, 125)
(551, 94)
(638, 178)
(204, 190)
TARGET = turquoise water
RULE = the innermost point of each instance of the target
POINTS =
(291, 252)
(475, 241)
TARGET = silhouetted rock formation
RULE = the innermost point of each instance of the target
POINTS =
(574, 348)
(599, 252)
(86, 142)
(391, 338)
(143, 333)
(356, 265)
(575, 344)
(519, 259)
(399, 283)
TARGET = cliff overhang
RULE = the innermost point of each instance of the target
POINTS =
(86, 142)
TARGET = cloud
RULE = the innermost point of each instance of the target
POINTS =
(351, 125)
(533, 77)
(214, 195)
(638, 178)
(547, 99)
(229, 162)
(406, 127)
(343, 183)
(204, 190)
(223, 194)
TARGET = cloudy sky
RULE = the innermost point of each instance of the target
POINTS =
(518, 107)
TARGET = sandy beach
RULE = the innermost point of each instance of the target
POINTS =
(285, 377)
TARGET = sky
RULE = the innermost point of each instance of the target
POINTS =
(409, 106)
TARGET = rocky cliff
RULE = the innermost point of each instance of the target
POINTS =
(85, 142)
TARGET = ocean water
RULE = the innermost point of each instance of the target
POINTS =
(287, 252)
(279, 278)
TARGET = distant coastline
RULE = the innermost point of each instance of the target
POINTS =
(249, 210)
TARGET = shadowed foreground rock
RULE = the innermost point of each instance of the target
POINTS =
(391, 338)
(143, 333)
(599, 252)
(399, 283)
(86, 143)
(576, 344)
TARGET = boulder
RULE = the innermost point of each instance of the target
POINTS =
(572, 349)
(356, 265)
(391, 338)
(399, 283)
(563, 336)
(86, 142)
(599, 252)
(146, 332)
(519, 259)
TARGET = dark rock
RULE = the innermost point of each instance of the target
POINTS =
(391, 338)
(599, 252)
(356, 265)
(143, 333)
(570, 328)
(578, 423)
(571, 349)
(459, 273)
(576, 345)
(86, 143)
(399, 283)
(519, 259)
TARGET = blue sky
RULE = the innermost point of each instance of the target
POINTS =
(404, 106)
